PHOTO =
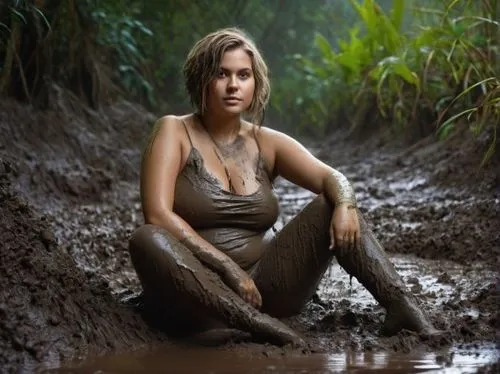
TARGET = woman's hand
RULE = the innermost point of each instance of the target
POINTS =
(239, 280)
(344, 227)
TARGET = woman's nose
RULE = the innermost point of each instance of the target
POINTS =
(232, 83)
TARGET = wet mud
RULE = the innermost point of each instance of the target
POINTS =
(70, 201)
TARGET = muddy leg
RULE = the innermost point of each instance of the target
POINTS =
(373, 269)
(173, 279)
(295, 260)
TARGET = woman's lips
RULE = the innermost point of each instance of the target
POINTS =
(232, 100)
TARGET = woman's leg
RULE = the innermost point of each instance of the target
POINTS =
(177, 285)
(296, 259)
(373, 269)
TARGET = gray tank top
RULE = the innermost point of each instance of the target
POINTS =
(238, 225)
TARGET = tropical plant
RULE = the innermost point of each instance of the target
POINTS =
(122, 34)
(439, 71)
(17, 15)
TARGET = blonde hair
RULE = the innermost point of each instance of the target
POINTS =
(203, 63)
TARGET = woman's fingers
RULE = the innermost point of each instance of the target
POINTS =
(344, 229)
(339, 239)
(348, 240)
(251, 294)
(252, 300)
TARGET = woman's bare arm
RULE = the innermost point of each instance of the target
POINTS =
(291, 160)
(160, 167)
(162, 162)
(288, 158)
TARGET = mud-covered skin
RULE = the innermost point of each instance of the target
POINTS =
(286, 276)
(235, 224)
(172, 278)
(340, 190)
(295, 260)
(371, 266)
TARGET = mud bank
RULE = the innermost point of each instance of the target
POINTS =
(50, 308)
(69, 201)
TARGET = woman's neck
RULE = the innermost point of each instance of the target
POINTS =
(224, 130)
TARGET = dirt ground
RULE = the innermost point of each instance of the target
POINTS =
(69, 201)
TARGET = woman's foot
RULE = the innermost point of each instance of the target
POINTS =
(407, 315)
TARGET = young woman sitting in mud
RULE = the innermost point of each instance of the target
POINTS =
(208, 250)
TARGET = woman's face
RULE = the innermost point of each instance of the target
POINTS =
(231, 91)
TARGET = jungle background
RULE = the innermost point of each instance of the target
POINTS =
(401, 96)
(422, 66)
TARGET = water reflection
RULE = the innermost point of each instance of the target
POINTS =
(216, 361)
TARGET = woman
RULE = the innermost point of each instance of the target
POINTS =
(208, 250)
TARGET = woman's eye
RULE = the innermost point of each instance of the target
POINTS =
(222, 74)
(244, 75)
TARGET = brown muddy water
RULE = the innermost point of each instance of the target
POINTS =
(213, 361)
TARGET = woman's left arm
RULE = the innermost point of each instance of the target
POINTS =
(291, 160)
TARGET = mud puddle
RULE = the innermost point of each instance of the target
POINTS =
(209, 360)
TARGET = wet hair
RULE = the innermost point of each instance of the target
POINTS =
(203, 63)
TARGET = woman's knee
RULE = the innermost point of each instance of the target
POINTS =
(148, 242)
(148, 236)
(140, 235)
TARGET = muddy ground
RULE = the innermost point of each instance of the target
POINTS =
(69, 200)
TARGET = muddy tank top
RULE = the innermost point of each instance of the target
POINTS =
(238, 225)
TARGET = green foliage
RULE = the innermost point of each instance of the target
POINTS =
(276, 26)
(428, 65)
(369, 51)
(16, 15)
(123, 33)
(445, 64)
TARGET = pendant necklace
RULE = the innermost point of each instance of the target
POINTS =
(221, 158)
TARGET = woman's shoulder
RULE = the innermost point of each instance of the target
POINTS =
(172, 123)
(173, 119)
(266, 133)
(169, 130)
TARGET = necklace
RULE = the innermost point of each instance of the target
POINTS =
(219, 155)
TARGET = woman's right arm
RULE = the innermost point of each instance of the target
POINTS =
(161, 164)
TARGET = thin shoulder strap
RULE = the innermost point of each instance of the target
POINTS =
(255, 137)
(259, 160)
(187, 132)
